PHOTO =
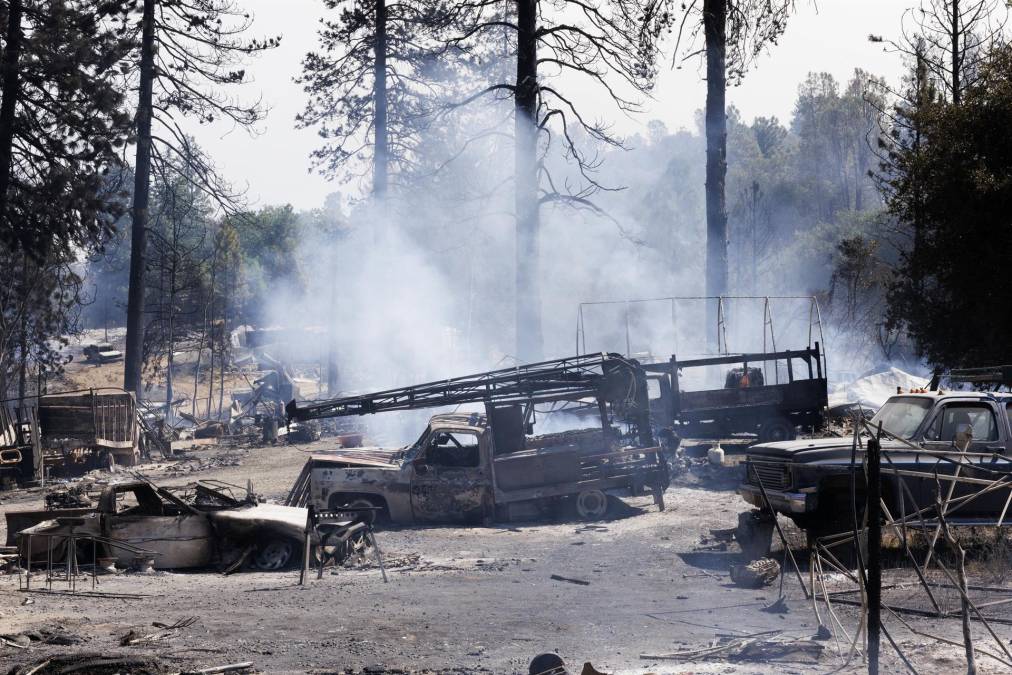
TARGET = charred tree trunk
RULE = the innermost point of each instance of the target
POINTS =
(714, 29)
(528, 295)
(332, 373)
(222, 360)
(381, 150)
(23, 364)
(171, 340)
(209, 317)
(956, 56)
(918, 224)
(210, 377)
(196, 369)
(222, 344)
(860, 171)
(9, 102)
(133, 360)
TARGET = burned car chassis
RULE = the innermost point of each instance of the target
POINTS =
(197, 526)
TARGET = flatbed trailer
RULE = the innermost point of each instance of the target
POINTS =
(747, 404)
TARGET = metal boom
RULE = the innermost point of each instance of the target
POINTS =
(608, 377)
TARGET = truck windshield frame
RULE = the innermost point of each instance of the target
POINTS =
(903, 415)
(411, 452)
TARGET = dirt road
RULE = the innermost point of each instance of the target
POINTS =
(465, 598)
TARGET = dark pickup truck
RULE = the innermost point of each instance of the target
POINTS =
(810, 480)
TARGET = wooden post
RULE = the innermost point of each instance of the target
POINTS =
(874, 553)
(376, 550)
(28, 563)
(310, 513)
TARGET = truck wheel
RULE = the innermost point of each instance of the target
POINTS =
(591, 504)
(277, 554)
(776, 429)
(367, 517)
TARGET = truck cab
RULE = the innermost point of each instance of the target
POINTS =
(445, 476)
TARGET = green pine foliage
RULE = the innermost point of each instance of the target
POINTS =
(953, 191)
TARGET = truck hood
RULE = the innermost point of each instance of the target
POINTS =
(812, 450)
(380, 458)
(260, 521)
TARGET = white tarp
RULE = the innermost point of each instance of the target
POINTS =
(873, 390)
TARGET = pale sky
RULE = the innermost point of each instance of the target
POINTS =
(830, 35)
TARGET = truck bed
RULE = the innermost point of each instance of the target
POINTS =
(569, 469)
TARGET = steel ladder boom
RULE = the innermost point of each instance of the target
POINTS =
(607, 376)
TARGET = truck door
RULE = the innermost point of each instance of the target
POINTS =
(954, 423)
(450, 482)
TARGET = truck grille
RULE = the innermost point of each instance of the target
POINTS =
(775, 475)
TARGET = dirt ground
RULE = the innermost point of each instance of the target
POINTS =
(471, 599)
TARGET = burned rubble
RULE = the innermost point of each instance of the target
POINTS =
(259, 419)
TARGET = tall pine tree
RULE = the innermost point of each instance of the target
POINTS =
(191, 53)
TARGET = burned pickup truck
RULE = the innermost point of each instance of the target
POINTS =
(809, 481)
(483, 467)
(455, 474)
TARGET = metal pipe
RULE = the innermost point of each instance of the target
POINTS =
(874, 509)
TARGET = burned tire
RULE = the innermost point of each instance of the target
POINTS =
(776, 429)
(358, 546)
(276, 554)
(591, 504)
(355, 548)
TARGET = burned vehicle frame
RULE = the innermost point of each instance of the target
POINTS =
(747, 404)
(203, 524)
